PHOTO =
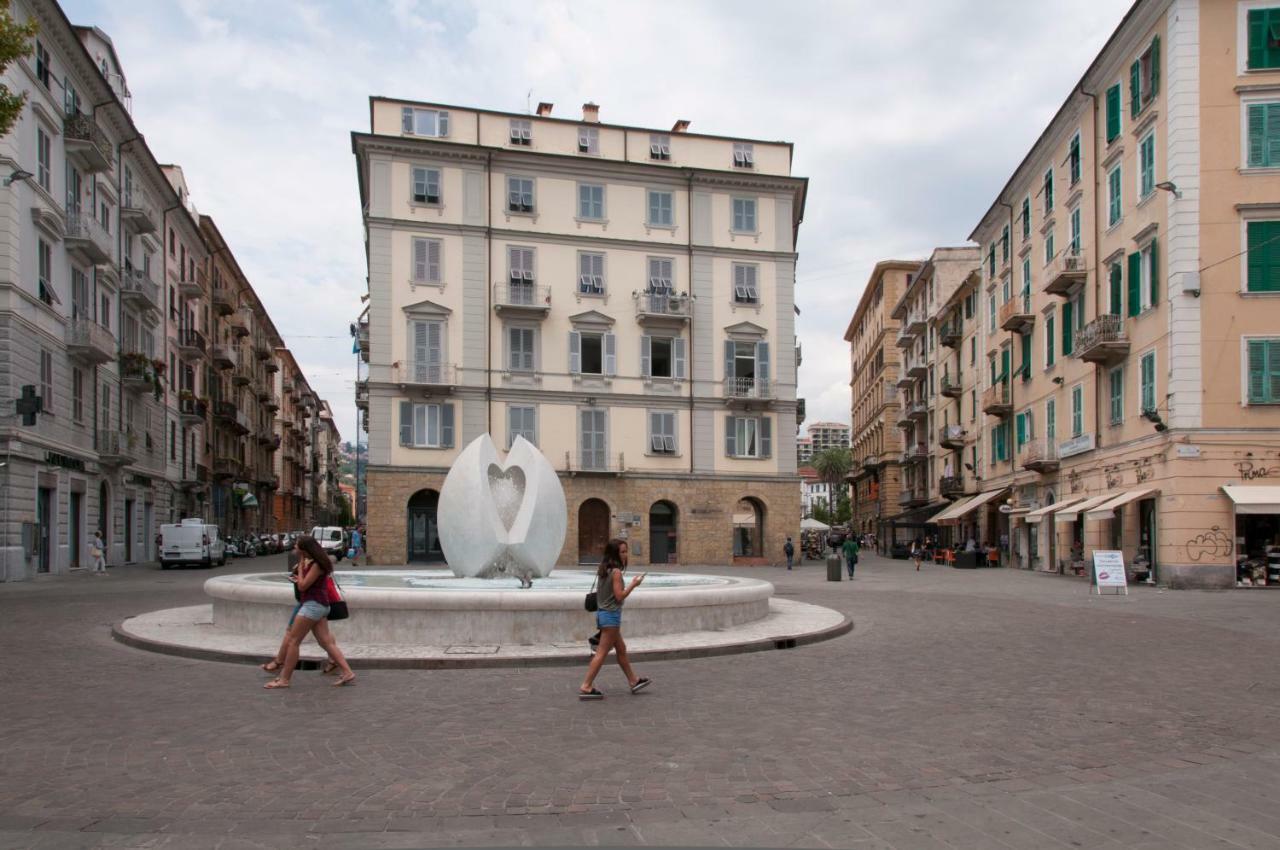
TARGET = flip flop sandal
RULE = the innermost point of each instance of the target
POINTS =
(640, 685)
(270, 666)
(346, 680)
(276, 684)
(591, 694)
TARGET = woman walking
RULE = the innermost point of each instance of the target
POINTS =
(315, 572)
(611, 593)
(277, 660)
(917, 553)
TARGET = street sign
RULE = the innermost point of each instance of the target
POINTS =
(1108, 571)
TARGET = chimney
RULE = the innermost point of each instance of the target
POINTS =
(544, 109)
(680, 126)
(591, 112)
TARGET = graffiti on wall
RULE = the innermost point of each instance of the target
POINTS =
(1249, 471)
(1214, 543)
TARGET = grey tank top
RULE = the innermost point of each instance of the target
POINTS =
(604, 593)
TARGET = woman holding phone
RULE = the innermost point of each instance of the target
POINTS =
(315, 572)
(610, 594)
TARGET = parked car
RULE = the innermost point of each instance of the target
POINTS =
(191, 541)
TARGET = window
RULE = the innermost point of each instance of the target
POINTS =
(1263, 135)
(1028, 339)
(426, 185)
(46, 380)
(1051, 421)
(1026, 219)
(426, 426)
(1000, 442)
(660, 276)
(1077, 410)
(1264, 38)
(1073, 159)
(1022, 429)
(592, 439)
(991, 302)
(1048, 340)
(426, 260)
(1147, 165)
(662, 357)
(1006, 290)
(744, 215)
(589, 140)
(591, 201)
(426, 356)
(744, 155)
(1004, 244)
(1026, 285)
(590, 273)
(592, 353)
(660, 209)
(521, 130)
(662, 433)
(1073, 248)
(520, 274)
(1143, 279)
(1115, 385)
(1113, 196)
(42, 158)
(1116, 290)
(748, 436)
(520, 194)
(1147, 382)
(106, 406)
(745, 290)
(1047, 190)
(746, 366)
(973, 405)
(522, 421)
(1113, 113)
(1263, 257)
(520, 348)
(1068, 327)
(1144, 78)
(991, 260)
(173, 440)
(1264, 371)
(424, 122)
(44, 271)
(172, 243)
(660, 147)
(1048, 248)
(973, 350)
(77, 394)
(43, 67)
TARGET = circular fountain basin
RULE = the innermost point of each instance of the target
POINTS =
(435, 607)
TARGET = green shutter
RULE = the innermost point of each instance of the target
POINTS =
(1148, 383)
(1135, 283)
(1135, 89)
(1048, 341)
(1022, 429)
(1117, 290)
(1264, 256)
(1067, 329)
(1273, 371)
(1117, 406)
(1155, 69)
(1004, 365)
(1257, 370)
(1113, 113)
(1258, 38)
(1026, 356)
(1258, 134)
(1155, 273)
(1272, 133)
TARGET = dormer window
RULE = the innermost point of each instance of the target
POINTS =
(424, 122)
(744, 155)
(521, 132)
(660, 147)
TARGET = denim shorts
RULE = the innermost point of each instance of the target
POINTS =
(313, 610)
(608, 619)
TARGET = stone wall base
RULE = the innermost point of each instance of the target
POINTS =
(1197, 576)
(705, 509)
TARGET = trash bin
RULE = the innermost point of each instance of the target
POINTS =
(834, 571)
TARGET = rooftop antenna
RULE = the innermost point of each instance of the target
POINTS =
(528, 98)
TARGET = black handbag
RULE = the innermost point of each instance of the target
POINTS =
(592, 602)
(338, 608)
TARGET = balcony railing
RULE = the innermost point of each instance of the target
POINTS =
(192, 410)
(1067, 269)
(522, 298)
(225, 357)
(89, 342)
(141, 290)
(1016, 315)
(597, 461)
(917, 409)
(242, 375)
(950, 335)
(951, 436)
(995, 400)
(911, 496)
(87, 238)
(653, 306)
(951, 485)
(906, 338)
(116, 448)
(191, 342)
(1039, 456)
(227, 467)
(950, 387)
(1103, 340)
(431, 373)
(138, 213)
(362, 395)
(137, 372)
(915, 453)
(241, 321)
(86, 141)
(872, 462)
(748, 388)
(193, 285)
(224, 300)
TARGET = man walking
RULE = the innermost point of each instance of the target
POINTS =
(357, 545)
(98, 549)
(789, 550)
(850, 554)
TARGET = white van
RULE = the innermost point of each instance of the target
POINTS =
(332, 539)
(191, 542)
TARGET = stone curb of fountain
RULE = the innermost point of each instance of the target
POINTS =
(565, 656)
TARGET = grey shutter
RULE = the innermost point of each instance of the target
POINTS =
(766, 436)
(420, 259)
(442, 124)
(420, 351)
(610, 354)
(575, 352)
(728, 359)
(433, 260)
(730, 436)
(406, 120)
(646, 356)
(678, 347)
(420, 184)
(406, 423)
(762, 362)
(435, 351)
(446, 426)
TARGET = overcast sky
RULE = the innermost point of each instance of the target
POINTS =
(907, 117)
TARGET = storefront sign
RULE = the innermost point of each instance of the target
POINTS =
(1108, 570)
(1076, 445)
(55, 459)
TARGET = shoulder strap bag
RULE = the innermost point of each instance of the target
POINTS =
(592, 602)
(337, 605)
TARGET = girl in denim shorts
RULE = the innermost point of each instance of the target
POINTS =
(315, 572)
(610, 595)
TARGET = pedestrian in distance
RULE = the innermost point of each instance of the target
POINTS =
(611, 594)
(789, 549)
(98, 550)
(851, 555)
(314, 581)
(357, 544)
(917, 553)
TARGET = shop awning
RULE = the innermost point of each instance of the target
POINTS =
(959, 509)
(1040, 513)
(1072, 513)
(1259, 499)
(1107, 509)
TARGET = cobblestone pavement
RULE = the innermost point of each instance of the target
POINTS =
(987, 709)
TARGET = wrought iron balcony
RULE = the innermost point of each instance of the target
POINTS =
(271, 401)
(139, 214)
(192, 410)
(662, 307)
(86, 142)
(906, 338)
(87, 239)
(225, 357)
(428, 374)
(918, 369)
(522, 299)
(918, 409)
(89, 342)
(1016, 315)
(1039, 456)
(911, 497)
(950, 335)
(951, 437)
(1066, 270)
(227, 467)
(748, 389)
(916, 324)
(872, 462)
(906, 380)
(362, 395)
(191, 343)
(141, 291)
(951, 486)
(269, 441)
(116, 448)
(593, 462)
(137, 372)
(916, 453)
(950, 387)
(996, 400)
(242, 375)
(1103, 341)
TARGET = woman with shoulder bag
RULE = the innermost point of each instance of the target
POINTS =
(610, 595)
(315, 572)
(277, 661)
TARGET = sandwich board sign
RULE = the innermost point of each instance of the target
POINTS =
(1108, 571)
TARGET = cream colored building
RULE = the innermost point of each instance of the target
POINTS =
(622, 297)
(1129, 339)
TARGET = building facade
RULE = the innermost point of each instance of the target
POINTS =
(1129, 314)
(621, 297)
(804, 450)
(874, 363)
(828, 435)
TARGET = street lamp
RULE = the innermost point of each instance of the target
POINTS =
(19, 173)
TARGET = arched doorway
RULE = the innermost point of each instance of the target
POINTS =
(593, 531)
(662, 533)
(424, 533)
(748, 529)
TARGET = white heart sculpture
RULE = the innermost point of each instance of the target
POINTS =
(502, 519)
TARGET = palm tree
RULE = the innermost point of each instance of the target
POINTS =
(833, 465)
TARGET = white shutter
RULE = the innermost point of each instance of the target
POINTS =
(433, 260)
(420, 259)
(575, 352)
(419, 351)
(435, 351)
(610, 355)
(646, 356)
(442, 124)
(677, 346)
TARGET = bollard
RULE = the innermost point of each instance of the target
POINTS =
(834, 571)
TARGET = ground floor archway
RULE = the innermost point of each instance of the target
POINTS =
(748, 528)
(663, 522)
(593, 531)
(423, 528)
